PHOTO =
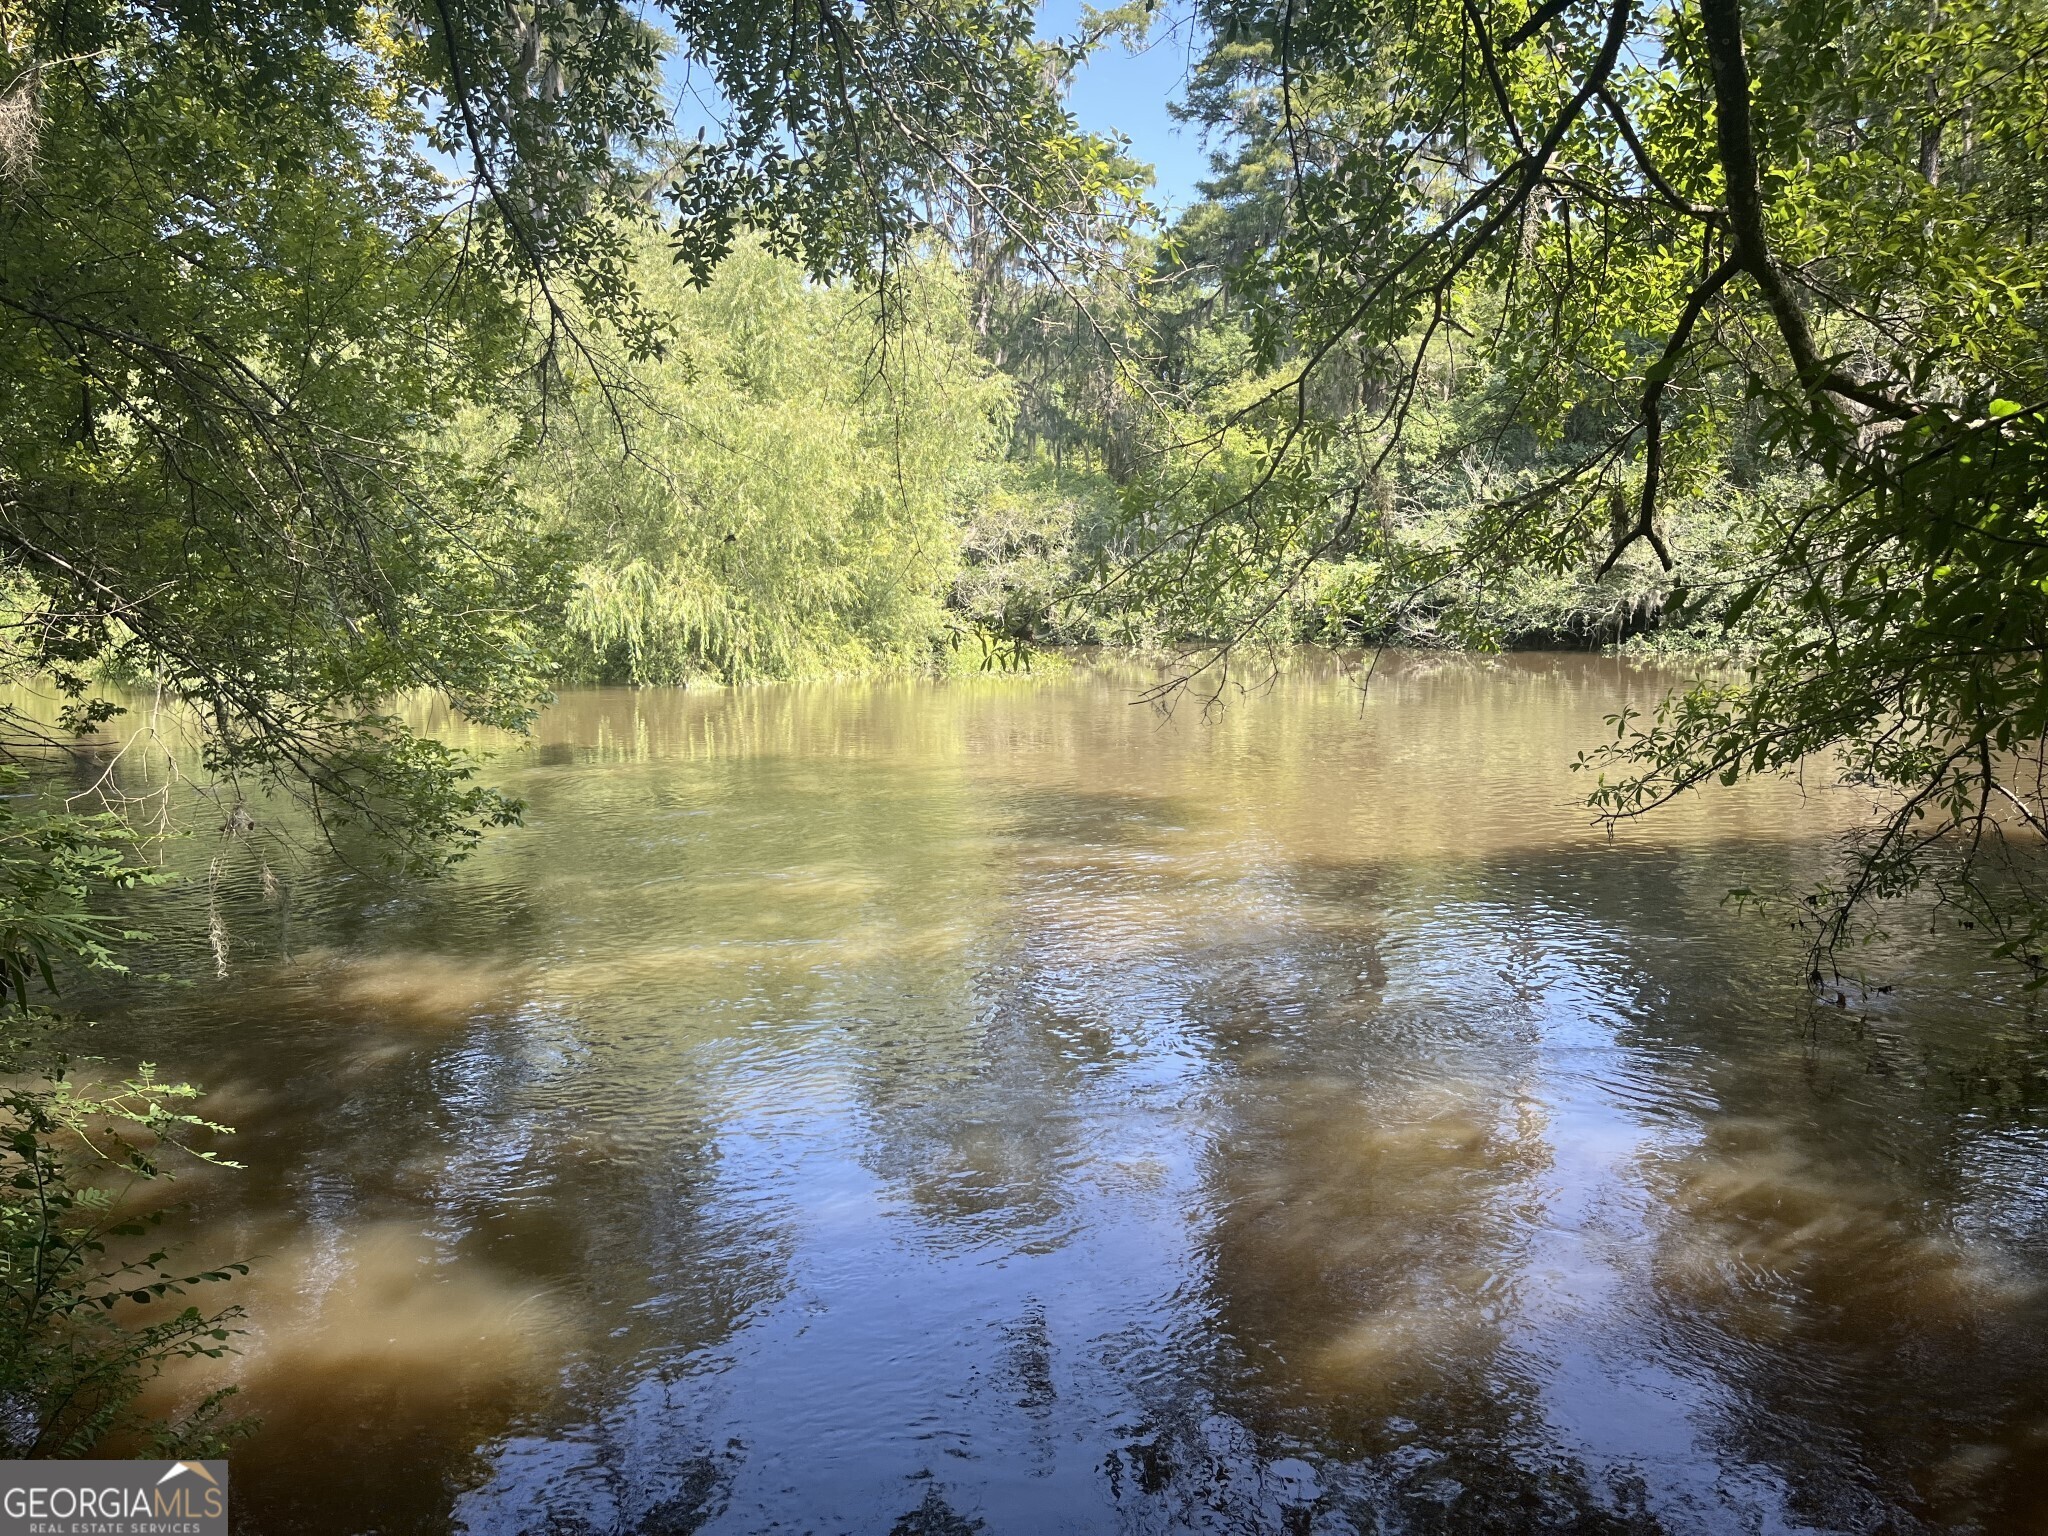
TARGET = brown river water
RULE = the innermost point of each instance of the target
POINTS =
(933, 1107)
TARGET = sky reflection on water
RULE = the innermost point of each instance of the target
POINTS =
(890, 1108)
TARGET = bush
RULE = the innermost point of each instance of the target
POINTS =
(85, 1319)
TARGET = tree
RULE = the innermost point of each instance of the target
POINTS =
(797, 494)
(254, 257)
(1714, 243)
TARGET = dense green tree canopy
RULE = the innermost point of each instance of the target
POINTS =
(798, 486)
(253, 257)
(1729, 312)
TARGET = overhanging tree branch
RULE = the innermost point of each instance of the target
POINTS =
(1735, 141)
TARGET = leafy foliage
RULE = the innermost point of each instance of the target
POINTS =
(73, 1359)
(242, 296)
(797, 485)
(75, 1269)
(1749, 294)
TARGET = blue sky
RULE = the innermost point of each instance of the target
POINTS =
(1123, 92)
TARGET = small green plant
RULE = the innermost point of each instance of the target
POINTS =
(89, 1308)
(73, 1357)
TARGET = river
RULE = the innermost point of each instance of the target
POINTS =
(887, 1108)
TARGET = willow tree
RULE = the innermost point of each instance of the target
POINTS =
(1731, 237)
(798, 486)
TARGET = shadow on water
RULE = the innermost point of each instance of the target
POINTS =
(933, 1109)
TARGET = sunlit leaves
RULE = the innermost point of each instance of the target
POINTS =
(799, 487)
(1853, 401)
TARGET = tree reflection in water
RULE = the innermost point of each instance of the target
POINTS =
(990, 1106)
